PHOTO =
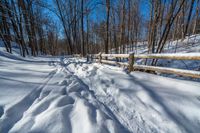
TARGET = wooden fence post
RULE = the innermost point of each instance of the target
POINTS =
(131, 62)
(88, 57)
(91, 58)
(100, 57)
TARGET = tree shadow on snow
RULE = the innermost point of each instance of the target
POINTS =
(180, 121)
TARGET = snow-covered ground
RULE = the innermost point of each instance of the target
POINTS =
(70, 95)
(39, 95)
(186, 45)
(144, 102)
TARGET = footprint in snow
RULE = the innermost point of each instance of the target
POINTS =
(68, 76)
(105, 82)
(44, 94)
(64, 100)
(63, 91)
(64, 82)
(85, 68)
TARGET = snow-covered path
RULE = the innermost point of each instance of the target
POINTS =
(61, 103)
(64, 95)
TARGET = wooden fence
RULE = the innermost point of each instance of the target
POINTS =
(105, 58)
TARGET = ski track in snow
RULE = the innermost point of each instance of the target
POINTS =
(12, 115)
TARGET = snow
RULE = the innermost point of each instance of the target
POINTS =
(41, 95)
(144, 102)
(49, 94)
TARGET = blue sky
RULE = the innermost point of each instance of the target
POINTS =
(99, 13)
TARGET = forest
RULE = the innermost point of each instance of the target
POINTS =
(66, 27)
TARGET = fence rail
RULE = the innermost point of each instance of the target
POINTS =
(132, 66)
(185, 56)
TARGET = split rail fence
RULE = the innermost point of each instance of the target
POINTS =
(105, 58)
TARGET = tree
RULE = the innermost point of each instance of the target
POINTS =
(107, 25)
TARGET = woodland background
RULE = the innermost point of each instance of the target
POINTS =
(60, 27)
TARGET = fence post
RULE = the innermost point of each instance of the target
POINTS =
(91, 57)
(131, 62)
(88, 57)
(100, 57)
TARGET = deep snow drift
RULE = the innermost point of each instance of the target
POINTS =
(70, 95)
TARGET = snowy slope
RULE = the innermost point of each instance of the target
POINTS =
(70, 95)
(190, 44)
(186, 45)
